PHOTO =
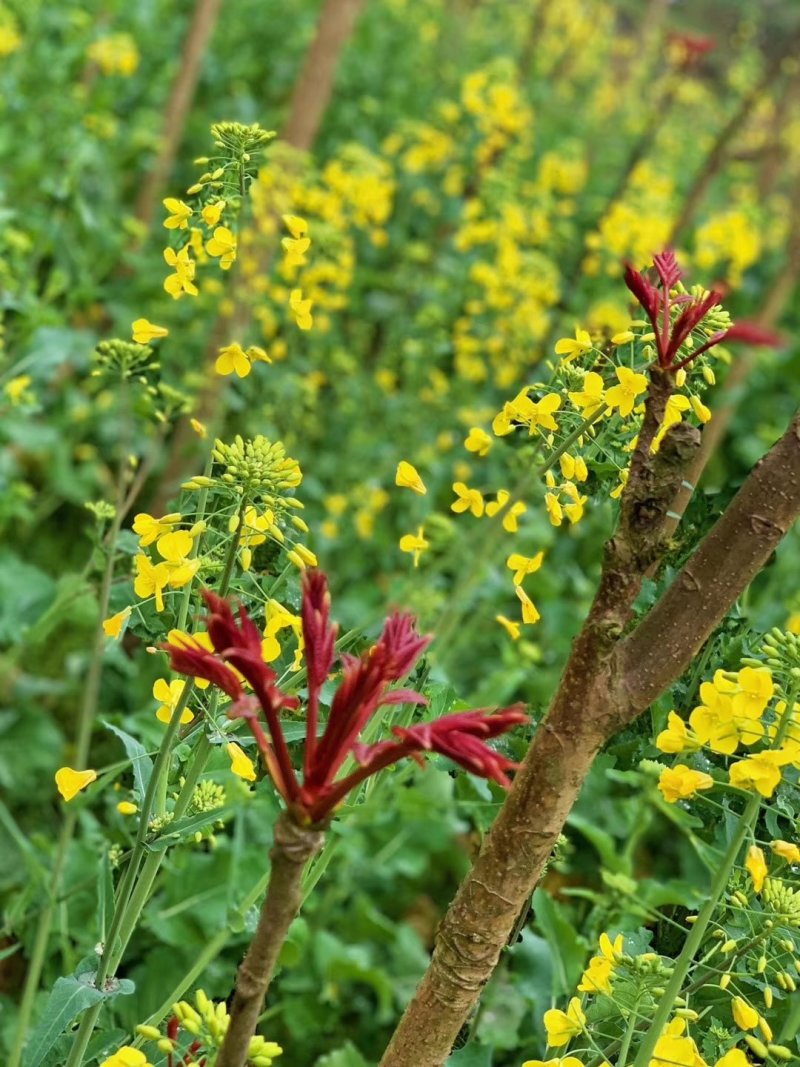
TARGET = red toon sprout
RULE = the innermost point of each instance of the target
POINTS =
(364, 687)
(657, 302)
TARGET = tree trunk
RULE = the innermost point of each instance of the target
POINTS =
(607, 683)
(314, 87)
(204, 19)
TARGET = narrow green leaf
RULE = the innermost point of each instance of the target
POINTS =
(69, 998)
(141, 764)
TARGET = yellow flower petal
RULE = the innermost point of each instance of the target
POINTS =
(70, 782)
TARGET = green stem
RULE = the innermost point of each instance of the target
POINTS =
(86, 719)
(624, 1049)
(570, 441)
(695, 938)
(128, 907)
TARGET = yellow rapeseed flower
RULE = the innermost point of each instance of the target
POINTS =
(126, 807)
(143, 332)
(761, 772)
(570, 348)
(623, 396)
(179, 214)
(241, 764)
(786, 850)
(170, 693)
(467, 500)
(530, 613)
(301, 309)
(745, 1016)
(112, 627)
(223, 246)
(70, 782)
(127, 1057)
(414, 543)
(478, 441)
(681, 782)
(182, 281)
(407, 477)
(523, 565)
(592, 397)
(756, 867)
(233, 359)
(562, 1026)
(511, 628)
(212, 213)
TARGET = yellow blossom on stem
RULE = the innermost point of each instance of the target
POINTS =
(182, 281)
(562, 1061)
(150, 529)
(673, 1049)
(733, 1058)
(295, 249)
(223, 246)
(501, 499)
(127, 1057)
(702, 412)
(511, 517)
(467, 500)
(241, 764)
(570, 348)
(407, 477)
(523, 565)
(554, 510)
(756, 867)
(169, 694)
(677, 737)
(301, 309)
(591, 398)
(151, 580)
(573, 509)
(198, 427)
(761, 771)
(143, 332)
(530, 613)
(212, 213)
(623, 338)
(296, 226)
(786, 850)
(511, 628)
(623, 396)
(745, 1016)
(478, 441)
(414, 543)
(126, 807)
(179, 214)
(70, 782)
(562, 1026)
(674, 409)
(755, 691)
(112, 627)
(681, 782)
(232, 359)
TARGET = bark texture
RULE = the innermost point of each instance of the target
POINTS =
(204, 19)
(608, 681)
(313, 89)
(294, 846)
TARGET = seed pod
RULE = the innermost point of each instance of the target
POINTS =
(781, 1052)
(756, 1046)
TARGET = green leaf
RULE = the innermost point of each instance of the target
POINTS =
(72, 590)
(141, 764)
(346, 1056)
(471, 1055)
(69, 998)
(568, 949)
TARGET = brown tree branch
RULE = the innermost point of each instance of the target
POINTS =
(720, 150)
(608, 682)
(759, 516)
(204, 19)
(313, 88)
(294, 846)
